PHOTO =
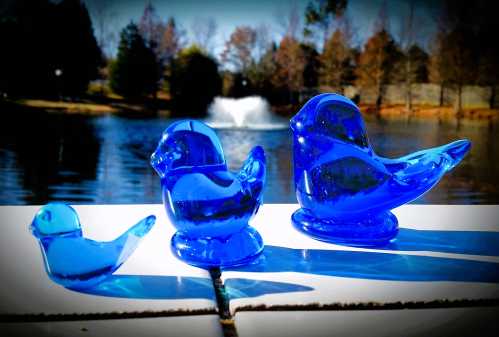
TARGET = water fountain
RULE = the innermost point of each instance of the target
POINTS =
(252, 112)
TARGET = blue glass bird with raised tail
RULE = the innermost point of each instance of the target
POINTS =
(74, 261)
(210, 206)
(345, 190)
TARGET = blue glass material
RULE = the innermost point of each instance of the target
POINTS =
(74, 261)
(209, 205)
(345, 190)
(171, 287)
(372, 265)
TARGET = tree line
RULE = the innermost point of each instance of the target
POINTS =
(316, 49)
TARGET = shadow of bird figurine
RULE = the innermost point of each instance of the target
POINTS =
(209, 205)
(345, 190)
(76, 262)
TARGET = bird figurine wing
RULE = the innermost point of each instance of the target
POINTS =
(252, 173)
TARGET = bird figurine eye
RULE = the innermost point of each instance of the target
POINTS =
(345, 190)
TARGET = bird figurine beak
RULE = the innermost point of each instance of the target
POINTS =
(159, 163)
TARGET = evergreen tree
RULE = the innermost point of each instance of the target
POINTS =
(135, 71)
(312, 65)
(78, 55)
(194, 82)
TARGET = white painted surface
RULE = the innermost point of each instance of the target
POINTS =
(273, 223)
(186, 326)
(414, 322)
(26, 288)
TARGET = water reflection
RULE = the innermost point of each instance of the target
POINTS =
(84, 159)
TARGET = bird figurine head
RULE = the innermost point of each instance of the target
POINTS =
(74, 261)
(187, 144)
(345, 190)
(56, 219)
(209, 205)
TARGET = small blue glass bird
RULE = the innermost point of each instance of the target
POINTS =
(209, 205)
(76, 262)
(345, 190)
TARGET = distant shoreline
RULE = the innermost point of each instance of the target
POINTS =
(389, 112)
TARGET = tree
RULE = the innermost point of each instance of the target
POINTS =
(194, 82)
(289, 20)
(104, 18)
(436, 65)
(171, 41)
(135, 71)
(151, 28)
(336, 62)
(407, 40)
(319, 15)
(486, 31)
(460, 47)
(312, 65)
(263, 41)
(40, 58)
(203, 31)
(290, 64)
(78, 54)
(239, 48)
(260, 73)
(376, 62)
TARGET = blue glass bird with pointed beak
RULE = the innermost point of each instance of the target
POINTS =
(345, 190)
(74, 261)
(209, 205)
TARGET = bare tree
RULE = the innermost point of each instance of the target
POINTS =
(171, 41)
(104, 17)
(289, 20)
(435, 66)
(408, 38)
(151, 28)
(238, 50)
(319, 16)
(203, 31)
(263, 40)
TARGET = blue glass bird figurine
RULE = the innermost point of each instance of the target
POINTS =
(345, 190)
(209, 205)
(76, 262)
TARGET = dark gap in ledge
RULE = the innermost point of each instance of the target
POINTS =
(30, 318)
(223, 304)
(437, 304)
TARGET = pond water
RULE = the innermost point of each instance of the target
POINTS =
(105, 160)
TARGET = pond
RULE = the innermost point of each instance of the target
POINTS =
(105, 159)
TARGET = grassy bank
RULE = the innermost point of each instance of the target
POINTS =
(116, 105)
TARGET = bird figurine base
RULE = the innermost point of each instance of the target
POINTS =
(370, 231)
(234, 250)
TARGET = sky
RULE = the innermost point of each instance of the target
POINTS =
(231, 13)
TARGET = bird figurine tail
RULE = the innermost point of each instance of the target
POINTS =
(252, 173)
